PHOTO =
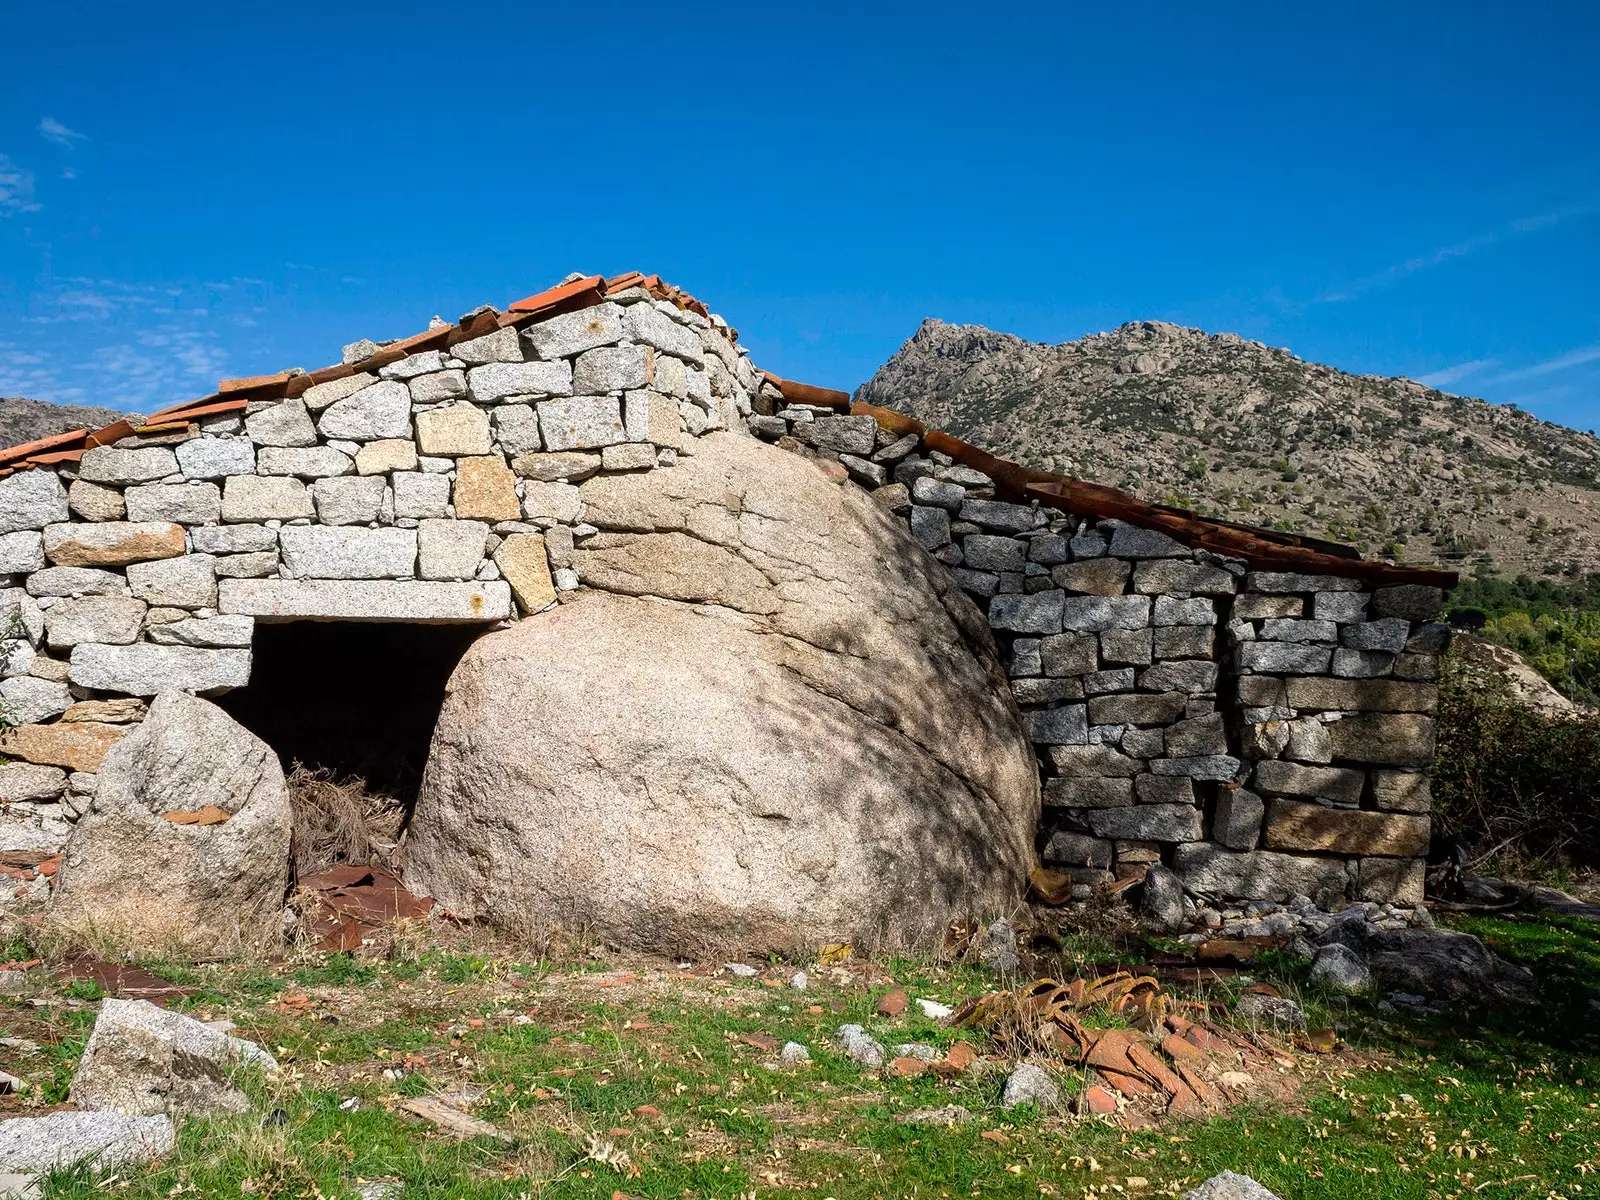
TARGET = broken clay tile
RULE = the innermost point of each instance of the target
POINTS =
(907, 1068)
(209, 815)
(892, 1004)
(1099, 1101)
(561, 293)
(55, 442)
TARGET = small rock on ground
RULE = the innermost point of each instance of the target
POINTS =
(861, 1046)
(798, 981)
(740, 970)
(1229, 1186)
(34, 1145)
(1270, 1010)
(1029, 1084)
(998, 949)
(920, 1051)
(950, 1114)
(1163, 898)
(794, 1052)
(1340, 969)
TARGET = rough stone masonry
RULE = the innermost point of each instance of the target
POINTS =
(1264, 734)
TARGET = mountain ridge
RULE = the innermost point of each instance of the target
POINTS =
(1236, 429)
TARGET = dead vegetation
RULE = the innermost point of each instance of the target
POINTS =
(338, 822)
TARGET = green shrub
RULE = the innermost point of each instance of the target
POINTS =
(1515, 782)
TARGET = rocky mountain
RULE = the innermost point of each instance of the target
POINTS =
(1233, 428)
(28, 420)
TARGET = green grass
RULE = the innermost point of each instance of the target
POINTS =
(1502, 1105)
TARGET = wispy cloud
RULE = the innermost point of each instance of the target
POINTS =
(16, 188)
(53, 130)
(1513, 229)
(1459, 371)
(1561, 362)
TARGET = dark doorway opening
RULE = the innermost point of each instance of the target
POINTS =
(357, 699)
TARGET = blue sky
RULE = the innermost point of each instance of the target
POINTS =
(190, 192)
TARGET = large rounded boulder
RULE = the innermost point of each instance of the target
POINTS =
(771, 721)
(185, 848)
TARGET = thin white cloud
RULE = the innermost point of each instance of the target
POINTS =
(16, 188)
(1459, 371)
(53, 130)
(1517, 228)
(1561, 362)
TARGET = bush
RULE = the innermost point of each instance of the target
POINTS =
(1514, 782)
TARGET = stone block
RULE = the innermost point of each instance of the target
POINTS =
(1210, 870)
(320, 396)
(569, 466)
(95, 502)
(286, 423)
(31, 500)
(1253, 607)
(624, 456)
(1389, 633)
(1027, 657)
(1340, 785)
(1402, 791)
(930, 526)
(1193, 676)
(1094, 614)
(28, 700)
(524, 564)
(303, 462)
(1131, 541)
(72, 581)
(561, 502)
(1292, 825)
(417, 494)
(140, 464)
(501, 346)
(1432, 638)
(1064, 726)
(1141, 743)
(1369, 695)
(217, 632)
(1088, 792)
(251, 498)
(1164, 789)
(1391, 880)
(1185, 641)
(75, 745)
(516, 429)
(1098, 683)
(185, 503)
(1092, 577)
(1022, 613)
(112, 619)
(987, 552)
(1343, 607)
(926, 489)
(1215, 768)
(1361, 664)
(1130, 646)
(385, 455)
(21, 553)
(1079, 762)
(1155, 822)
(649, 416)
(350, 500)
(1045, 691)
(1137, 709)
(1281, 581)
(1409, 601)
(233, 539)
(1280, 629)
(1173, 610)
(23, 782)
(186, 582)
(1309, 741)
(613, 369)
(1068, 654)
(574, 332)
(1069, 849)
(252, 565)
(216, 457)
(995, 514)
(112, 543)
(461, 429)
(439, 387)
(366, 600)
(485, 489)
(652, 327)
(413, 365)
(1286, 658)
(1386, 739)
(143, 669)
(1264, 739)
(450, 549)
(382, 410)
(1173, 577)
(581, 423)
(1236, 823)
(1197, 737)
(842, 435)
(348, 552)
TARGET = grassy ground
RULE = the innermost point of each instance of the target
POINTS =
(612, 1074)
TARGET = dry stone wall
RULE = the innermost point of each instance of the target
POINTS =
(1266, 735)
(438, 488)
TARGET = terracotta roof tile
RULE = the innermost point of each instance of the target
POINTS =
(55, 441)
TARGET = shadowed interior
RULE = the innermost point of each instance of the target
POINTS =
(357, 698)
